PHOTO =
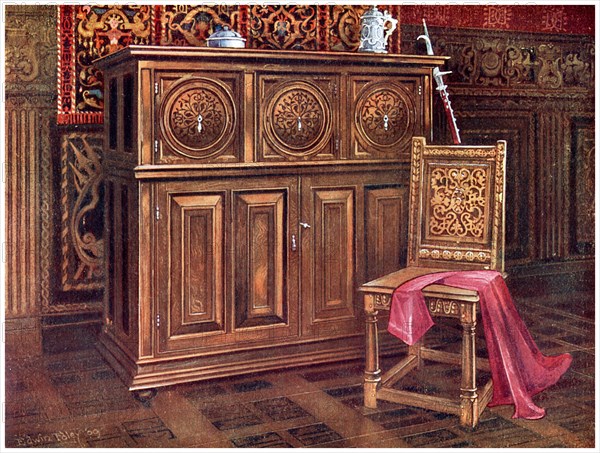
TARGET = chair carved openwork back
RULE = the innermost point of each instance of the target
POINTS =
(456, 223)
(457, 206)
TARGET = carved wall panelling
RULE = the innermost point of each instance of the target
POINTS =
(23, 141)
(580, 201)
(495, 59)
(81, 212)
(552, 136)
(77, 240)
(517, 127)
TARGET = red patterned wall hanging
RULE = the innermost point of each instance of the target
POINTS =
(86, 33)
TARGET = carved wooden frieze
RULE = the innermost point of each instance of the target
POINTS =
(507, 61)
(376, 301)
(455, 255)
(444, 307)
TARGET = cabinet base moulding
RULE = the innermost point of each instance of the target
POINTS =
(139, 376)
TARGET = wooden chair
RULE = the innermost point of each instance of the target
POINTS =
(456, 223)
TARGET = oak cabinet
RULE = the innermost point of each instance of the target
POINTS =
(248, 194)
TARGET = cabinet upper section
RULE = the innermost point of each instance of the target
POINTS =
(200, 106)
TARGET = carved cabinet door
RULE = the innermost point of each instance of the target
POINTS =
(226, 269)
(198, 117)
(384, 115)
(298, 117)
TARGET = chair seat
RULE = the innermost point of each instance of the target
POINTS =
(444, 301)
(388, 284)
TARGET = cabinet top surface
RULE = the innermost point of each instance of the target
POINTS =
(137, 52)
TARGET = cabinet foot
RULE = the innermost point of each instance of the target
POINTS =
(145, 396)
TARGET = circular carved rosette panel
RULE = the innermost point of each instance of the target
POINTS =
(384, 117)
(297, 119)
(198, 118)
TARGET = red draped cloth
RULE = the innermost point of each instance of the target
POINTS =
(519, 370)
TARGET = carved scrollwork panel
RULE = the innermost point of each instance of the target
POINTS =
(457, 203)
(81, 206)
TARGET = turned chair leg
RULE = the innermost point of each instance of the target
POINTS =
(372, 372)
(415, 349)
(468, 389)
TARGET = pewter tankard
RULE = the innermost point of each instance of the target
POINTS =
(373, 31)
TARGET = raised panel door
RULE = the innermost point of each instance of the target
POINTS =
(225, 276)
(386, 229)
(260, 264)
(191, 277)
(328, 258)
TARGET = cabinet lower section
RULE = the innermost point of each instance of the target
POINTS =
(224, 277)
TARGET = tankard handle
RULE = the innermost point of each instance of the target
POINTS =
(391, 20)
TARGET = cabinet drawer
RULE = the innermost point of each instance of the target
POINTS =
(385, 116)
(298, 117)
(199, 117)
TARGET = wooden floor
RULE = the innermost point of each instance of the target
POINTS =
(74, 399)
